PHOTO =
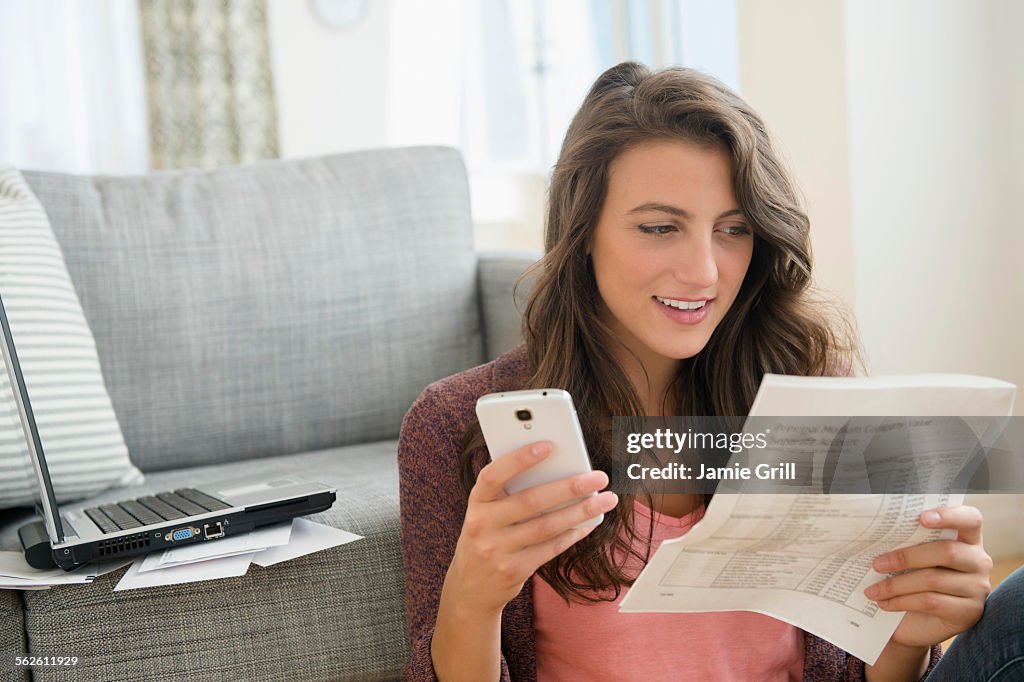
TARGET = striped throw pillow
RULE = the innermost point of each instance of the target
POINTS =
(84, 448)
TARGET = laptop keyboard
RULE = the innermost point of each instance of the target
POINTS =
(150, 509)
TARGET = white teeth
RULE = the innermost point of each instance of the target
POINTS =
(682, 305)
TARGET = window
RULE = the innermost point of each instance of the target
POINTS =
(503, 78)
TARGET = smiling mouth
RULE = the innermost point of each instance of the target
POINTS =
(683, 305)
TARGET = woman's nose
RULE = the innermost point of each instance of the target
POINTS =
(696, 266)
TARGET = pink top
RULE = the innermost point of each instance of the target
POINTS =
(594, 641)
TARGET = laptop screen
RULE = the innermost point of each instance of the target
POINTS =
(51, 515)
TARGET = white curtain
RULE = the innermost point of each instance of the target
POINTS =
(72, 97)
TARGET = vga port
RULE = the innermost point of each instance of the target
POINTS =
(182, 534)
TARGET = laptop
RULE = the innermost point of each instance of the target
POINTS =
(203, 513)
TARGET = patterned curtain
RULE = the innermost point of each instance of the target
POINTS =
(209, 86)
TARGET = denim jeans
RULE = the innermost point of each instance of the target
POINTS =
(993, 650)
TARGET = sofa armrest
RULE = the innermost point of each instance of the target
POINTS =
(497, 273)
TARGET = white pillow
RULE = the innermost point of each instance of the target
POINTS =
(85, 451)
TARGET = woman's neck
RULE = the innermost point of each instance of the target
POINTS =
(652, 386)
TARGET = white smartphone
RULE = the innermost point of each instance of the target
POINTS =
(516, 418)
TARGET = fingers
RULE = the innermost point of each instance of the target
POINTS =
(952, 554)
(505, 564)
(949, 608)
(536, 556)
(963, 554)
(528, 503)
(948, 579)
(543, 528)
(937, 580)
(525, 504)
(966, 521)
(490, 483)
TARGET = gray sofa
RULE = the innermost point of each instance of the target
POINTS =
(278, 317)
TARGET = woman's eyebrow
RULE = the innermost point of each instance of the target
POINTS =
(674, 210)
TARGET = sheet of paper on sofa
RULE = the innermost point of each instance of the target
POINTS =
(213, 569)
(307, 537)
(15, 573)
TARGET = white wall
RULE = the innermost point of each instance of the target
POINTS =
(331, 85)
(1007, 19)
(791, 61)
(934, 262)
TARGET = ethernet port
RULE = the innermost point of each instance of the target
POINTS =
(213, 530)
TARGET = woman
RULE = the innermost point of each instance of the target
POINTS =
(676, 273)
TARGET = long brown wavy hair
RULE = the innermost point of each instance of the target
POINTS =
(776, 324)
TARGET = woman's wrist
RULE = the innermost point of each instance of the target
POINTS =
(467, 638)
(899, 662)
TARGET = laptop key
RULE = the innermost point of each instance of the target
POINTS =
(123, 519)
(202, 499)
(164, 510)
(101, 520)
(143, 515)
(181, 504)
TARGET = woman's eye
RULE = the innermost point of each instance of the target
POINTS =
(657, 229)
(736, 230)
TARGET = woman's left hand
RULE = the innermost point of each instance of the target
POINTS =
(946, 583)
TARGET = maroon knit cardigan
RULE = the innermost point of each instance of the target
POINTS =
(434, 506)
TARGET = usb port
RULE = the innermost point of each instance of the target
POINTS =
(213, 530)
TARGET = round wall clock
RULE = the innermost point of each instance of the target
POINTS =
(339, 14)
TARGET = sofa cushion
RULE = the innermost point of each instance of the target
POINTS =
(281, 307)
(337, 614)
(85, 451)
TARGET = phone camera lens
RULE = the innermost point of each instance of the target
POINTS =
(523, 415)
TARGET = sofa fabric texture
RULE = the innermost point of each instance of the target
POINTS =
(275, 308)
(278, 318)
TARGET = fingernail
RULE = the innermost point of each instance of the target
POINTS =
(883, 564)
(931, 518)
(871, 591)
(540, 449)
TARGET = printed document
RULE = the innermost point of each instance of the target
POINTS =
(806, 558)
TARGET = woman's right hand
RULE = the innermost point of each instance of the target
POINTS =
(506, 538)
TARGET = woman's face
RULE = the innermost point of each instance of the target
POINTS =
(670, 249)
